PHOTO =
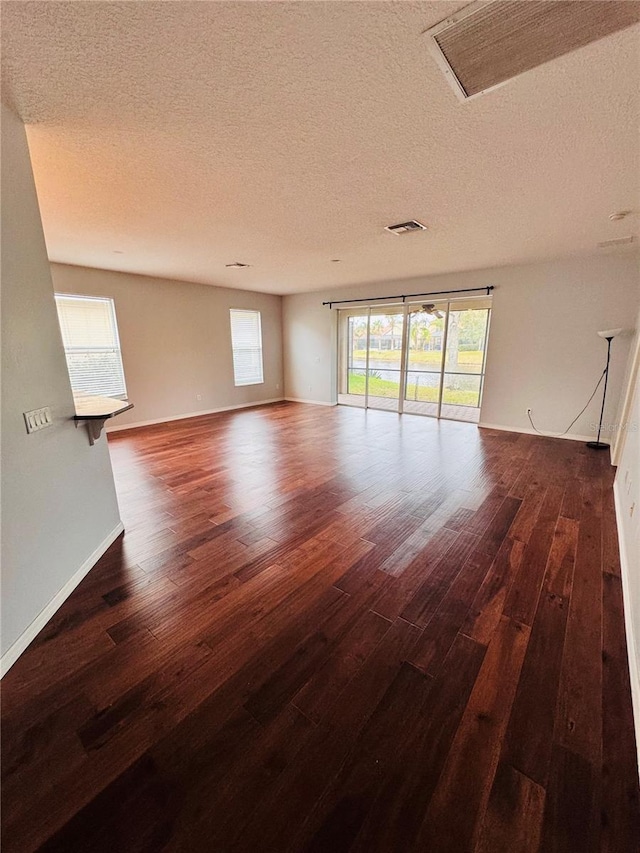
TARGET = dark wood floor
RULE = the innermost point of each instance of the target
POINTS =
(330, 630)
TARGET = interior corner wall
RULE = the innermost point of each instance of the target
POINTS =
(175, 338)
(627, 499)
(59, 506)
(543, 351)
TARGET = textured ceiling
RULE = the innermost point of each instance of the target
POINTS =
(172, 138)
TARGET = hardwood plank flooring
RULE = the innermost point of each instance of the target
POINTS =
(334, 630)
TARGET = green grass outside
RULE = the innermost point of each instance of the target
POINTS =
(466, 357)
(389, 388)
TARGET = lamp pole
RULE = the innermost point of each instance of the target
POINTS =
(597, 444)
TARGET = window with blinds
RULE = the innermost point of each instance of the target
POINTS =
(246, 342)
(91, 345)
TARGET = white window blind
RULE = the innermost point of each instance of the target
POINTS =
(91, 344)
(246, 341)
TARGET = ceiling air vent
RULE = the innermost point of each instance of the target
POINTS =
(406, 227)
(487, 44)
(617, 241)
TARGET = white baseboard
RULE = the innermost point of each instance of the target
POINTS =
(14, 651)
(634, 664)
(533, 432)
(120, 427)
(311, 402)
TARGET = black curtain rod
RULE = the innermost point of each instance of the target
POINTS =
(409, 295)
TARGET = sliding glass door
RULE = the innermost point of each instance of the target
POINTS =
(371, 344)
(467, 330)
(424, 361)
(385, 354)
(353, 341)
(419, 358)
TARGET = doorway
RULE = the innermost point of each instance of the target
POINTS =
(420, 358)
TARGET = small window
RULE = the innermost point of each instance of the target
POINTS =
(246, 342)
(91, 345)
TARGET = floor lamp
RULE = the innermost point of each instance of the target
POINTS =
(608, 335)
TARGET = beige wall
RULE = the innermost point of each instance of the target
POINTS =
(58, 497)
(176, 341)
(543, 349)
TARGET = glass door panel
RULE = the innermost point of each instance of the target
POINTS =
(464, 360)
(424, 360)
(353, 358)
(385, 359)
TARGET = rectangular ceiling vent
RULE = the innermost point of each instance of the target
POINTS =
(406, 227)
(486, 44)
(617, 241)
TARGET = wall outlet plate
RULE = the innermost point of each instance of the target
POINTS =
(38, 419)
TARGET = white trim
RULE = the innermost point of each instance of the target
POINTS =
(634, 663)
(310, 402)
(31, 632)
(119, 427)
(617, 445)
(571, 437)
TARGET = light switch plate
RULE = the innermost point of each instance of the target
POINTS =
(38, 419)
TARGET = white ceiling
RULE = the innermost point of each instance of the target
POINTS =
(172, 138)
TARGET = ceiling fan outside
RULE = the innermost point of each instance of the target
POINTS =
(428, 308)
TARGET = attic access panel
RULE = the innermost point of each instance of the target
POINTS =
(487, 44)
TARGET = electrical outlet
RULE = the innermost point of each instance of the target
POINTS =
(198, 396)
(38, 419)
